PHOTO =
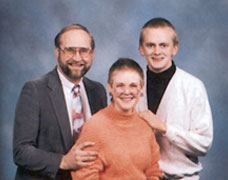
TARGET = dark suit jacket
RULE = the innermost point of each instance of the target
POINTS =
(42, 133)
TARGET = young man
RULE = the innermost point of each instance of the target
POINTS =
(183, 118)
(46, 121)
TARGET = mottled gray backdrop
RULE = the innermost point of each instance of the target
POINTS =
(28, 27)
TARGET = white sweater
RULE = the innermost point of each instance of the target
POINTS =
(185, 109)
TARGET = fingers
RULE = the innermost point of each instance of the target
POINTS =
(145, 114)
(85, 144)
(85, 164)
(153, 121)
(81, 152)
(84, 160)
(77, 157)
(87, 158)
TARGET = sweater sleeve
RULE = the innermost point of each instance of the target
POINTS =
(197, 140)
(154, 172)
(92, 172)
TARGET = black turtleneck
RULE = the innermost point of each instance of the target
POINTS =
(156, 86)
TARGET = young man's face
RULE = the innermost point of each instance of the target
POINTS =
(158, 48)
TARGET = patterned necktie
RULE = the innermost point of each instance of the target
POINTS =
(77, 115)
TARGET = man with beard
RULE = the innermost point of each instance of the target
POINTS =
(46, 125)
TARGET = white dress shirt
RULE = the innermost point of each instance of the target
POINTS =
(68, 94)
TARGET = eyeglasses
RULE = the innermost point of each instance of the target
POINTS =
(71, 51)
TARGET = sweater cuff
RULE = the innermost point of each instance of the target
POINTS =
(170, 133)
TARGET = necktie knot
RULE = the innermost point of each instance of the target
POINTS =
(76, 90)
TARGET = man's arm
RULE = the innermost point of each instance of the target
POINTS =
(195, 141)
(26, 130)
(26, 152)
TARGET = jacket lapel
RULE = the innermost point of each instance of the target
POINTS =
(59, 105)
(90, 94)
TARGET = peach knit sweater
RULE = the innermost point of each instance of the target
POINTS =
(126, 145)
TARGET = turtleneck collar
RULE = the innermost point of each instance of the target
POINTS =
(162, 75)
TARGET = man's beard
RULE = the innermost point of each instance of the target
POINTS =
(76, 75)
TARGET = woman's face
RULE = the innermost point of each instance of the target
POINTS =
(126, 88)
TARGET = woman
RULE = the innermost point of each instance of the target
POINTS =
(125, 143)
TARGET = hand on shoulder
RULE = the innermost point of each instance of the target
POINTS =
(154, 122)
